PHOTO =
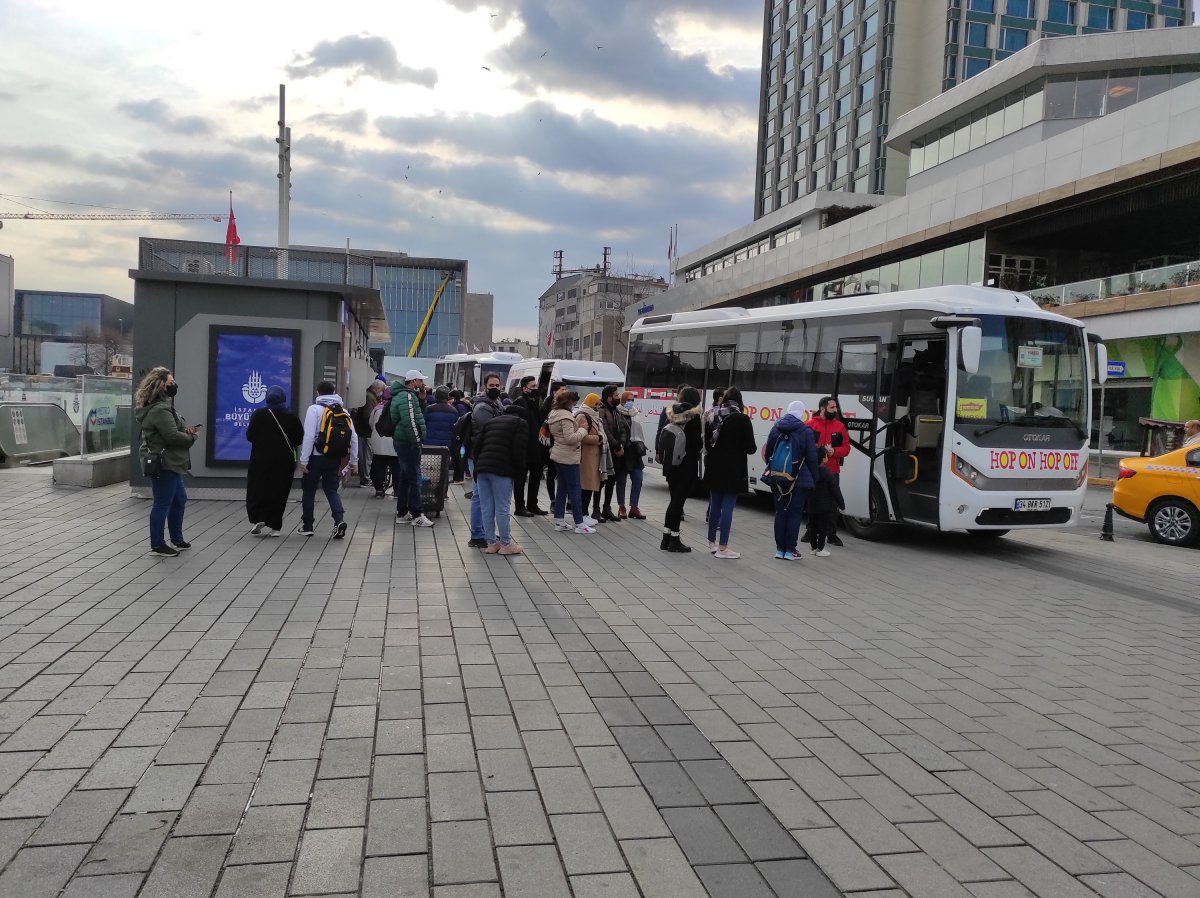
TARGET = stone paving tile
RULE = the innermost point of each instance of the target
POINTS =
(974, 716)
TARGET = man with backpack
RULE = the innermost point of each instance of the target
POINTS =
(408, 412)
(329, 443)
(791, 457)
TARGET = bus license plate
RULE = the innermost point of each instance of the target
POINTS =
(1031, 505)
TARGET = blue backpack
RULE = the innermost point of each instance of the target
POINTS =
(782, 466)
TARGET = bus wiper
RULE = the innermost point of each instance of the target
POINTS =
(982, 431)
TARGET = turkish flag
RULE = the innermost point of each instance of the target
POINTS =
(231, 238)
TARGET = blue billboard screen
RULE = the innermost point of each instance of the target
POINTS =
(244, 364)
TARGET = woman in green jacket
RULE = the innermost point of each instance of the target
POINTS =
(163, 431)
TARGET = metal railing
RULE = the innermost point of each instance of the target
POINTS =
(260, 262)
(1185, 274)
(99, 407)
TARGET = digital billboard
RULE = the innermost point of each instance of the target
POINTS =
(243, 363)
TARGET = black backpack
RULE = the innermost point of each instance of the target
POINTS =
(460, 437)
(334, 433)
(386, 425)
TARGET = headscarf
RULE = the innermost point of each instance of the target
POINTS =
(591, 400)
(587, 408)
(276, 398)
(797, 409)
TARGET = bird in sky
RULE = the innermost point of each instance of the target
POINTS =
(544, 52)
(599, 47)
(485, 68)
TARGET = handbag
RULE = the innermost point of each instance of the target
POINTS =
(283, 433)
(151, 463)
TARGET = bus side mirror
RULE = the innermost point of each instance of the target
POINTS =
(1101, 363)
(836, 440)
(970, 343)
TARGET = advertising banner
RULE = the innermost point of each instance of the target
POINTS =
(243, 364)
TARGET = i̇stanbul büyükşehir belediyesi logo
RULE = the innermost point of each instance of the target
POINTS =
(253, 389)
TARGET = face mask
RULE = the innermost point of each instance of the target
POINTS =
(830, 415)
(172, 389)
(629, 405)
(493, 393)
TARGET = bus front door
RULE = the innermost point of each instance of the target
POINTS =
(856, 387)
(916, 441)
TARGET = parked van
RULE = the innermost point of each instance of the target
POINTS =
(580, 375)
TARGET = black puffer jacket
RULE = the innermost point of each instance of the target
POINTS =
(501, 446)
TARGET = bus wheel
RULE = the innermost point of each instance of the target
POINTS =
(874, 528)
(988, 534)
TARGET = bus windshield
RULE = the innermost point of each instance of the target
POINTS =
(1031, 372)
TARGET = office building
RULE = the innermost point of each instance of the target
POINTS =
(838, 73)
(520, 347)
(407, 285)
(81, 329)
(582, 314)
(477, 325)
(1069, 170)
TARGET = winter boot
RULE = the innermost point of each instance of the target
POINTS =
(608, 514)
(677, 545)
(621, 513)
(667, 541)
(636, 513)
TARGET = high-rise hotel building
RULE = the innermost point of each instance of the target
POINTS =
(837, 73)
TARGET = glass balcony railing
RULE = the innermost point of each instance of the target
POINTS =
(1185, 274)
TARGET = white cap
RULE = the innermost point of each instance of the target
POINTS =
(413, 374)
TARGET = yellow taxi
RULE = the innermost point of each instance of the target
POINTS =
(1163, 493)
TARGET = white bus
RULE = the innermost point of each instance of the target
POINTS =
(580, 375)
(968, 408)
(466, 371)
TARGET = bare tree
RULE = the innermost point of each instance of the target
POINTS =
(94, 349)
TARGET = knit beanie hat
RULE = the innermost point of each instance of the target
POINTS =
(591, 400)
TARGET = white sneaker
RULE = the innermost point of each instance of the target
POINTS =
(726, 553)
(584, 528)
(422, 521)
(589, 521)
(713, 545)
(267, 531)
(560, 524)
(824, 553)
(258, 528)
(405, 518)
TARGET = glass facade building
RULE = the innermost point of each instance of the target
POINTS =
(407, 285)
(837, 73)
(41, 316)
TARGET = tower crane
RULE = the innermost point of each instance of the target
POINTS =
(113, 216)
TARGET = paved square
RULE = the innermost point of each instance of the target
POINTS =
(397, 714)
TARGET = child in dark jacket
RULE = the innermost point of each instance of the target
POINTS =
(823, 504)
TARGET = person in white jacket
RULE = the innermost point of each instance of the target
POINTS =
(323, 466)
(383, 450)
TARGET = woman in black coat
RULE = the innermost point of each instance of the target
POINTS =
(274, 433)
(729, 438)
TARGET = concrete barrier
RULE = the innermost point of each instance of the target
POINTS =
(100, 469)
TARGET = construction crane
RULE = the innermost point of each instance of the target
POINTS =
(416, 343)
(112, 216)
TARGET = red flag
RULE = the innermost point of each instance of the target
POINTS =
(231, 238)
(549, 338)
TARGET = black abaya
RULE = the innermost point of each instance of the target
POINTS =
(273, 436)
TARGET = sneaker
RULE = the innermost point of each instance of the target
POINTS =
(835, 541)
(584, 528)
(480, 543)
(421, 521)
(791, 556)
(339, 530)
(560, 524)
(258, 528)
(181, 544)
(405, 518)
(589, 521)
(164, 550)
(824, 553)
(779, 553)
(493, 548)
(713, 545)
(305, 529)
(726, 553)
(512, 549)
(267, 531)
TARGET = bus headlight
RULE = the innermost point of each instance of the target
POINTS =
(967, 472)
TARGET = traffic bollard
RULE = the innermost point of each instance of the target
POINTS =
(1106, 531)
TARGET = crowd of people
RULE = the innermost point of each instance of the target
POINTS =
(587, 451)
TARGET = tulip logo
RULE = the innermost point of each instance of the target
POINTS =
(253, 389)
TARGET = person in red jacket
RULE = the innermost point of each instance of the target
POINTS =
(825, 423)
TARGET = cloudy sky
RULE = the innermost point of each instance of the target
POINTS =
(496, 132)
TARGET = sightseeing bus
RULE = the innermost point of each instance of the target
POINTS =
(466, 371)
(968, 408)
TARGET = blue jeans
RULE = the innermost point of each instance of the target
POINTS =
(720, 514)
(789, 509)
(169, 499)
(568, 488)
(634, 477)
(477, 508)
(408, 480)
(322, 471)
(495, 496)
